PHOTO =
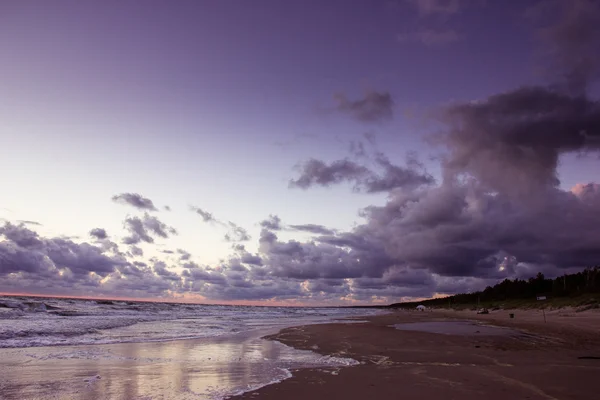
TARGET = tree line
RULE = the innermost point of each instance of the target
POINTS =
(571, 285)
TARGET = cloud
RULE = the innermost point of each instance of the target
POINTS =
(251, 259)
(25, 251)
(21, 235)
(167, 208)
(312, 228)
(374, 107)
(135, 200)
(511, 142)
(98, 233)
(430, 37)
(136, 251)
(142, 229)
(29, 222)
(183, 255)
(318, 173)
(206, 216)
(158, 227)
(236, 233)
(273, 223)
(569, 36)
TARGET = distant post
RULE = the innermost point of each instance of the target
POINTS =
(540, 298)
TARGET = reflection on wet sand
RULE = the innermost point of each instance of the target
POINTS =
(166, 370)
(457, 328)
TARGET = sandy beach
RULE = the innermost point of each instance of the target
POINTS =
(525, 359)
(557, 359)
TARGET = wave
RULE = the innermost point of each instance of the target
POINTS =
(55, 322)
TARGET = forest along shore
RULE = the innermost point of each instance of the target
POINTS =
(557, 359)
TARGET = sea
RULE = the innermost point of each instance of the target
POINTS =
(221, 345)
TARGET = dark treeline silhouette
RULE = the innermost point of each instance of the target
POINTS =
(573, 285)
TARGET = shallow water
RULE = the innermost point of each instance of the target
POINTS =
(467, 328)
(209, 368)
(83, 349)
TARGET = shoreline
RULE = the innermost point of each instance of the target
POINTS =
(393, 363)
(206, 368)
(551, 360)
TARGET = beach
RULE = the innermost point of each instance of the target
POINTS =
(557, 359)
(476, 356)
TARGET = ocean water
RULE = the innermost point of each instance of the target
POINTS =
(32, 322)
(83, 349)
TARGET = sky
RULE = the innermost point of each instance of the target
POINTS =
(296, 152)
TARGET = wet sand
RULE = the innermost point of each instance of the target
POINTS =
(559, 359)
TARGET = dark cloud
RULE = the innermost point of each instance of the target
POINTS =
(21, 236)
(206, 216)
(273, 223)
(98, 233)
(195, 274)
(374, 107)
(312, 228)
(512, 141)
(248, 258)
(24, 250)
(14, 259)
(35, 264)
(322, 259)
(135, 200)
(160, 269)
(569, 37)
(167, 251)
(318, 173)
(135, 226)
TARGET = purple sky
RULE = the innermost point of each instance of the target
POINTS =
(400, 148)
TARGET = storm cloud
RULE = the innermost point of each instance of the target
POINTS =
(568, 34)
(511, 142)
